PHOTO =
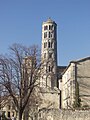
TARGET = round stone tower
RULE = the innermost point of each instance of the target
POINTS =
(49, 54)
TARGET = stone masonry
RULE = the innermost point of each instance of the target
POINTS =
(56, 114)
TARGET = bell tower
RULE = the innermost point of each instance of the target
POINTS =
(49, 54)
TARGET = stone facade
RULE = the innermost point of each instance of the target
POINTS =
(77, 73)
(68, 86)
(56, 114)
(50, 99)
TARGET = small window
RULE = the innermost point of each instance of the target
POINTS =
(9, 114)
(50, 27)
(50, 69)
(45, 27)
(49, 45)
(45, 44)
(45, 35)
(49, 35)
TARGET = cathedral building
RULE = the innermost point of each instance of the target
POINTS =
(72, 90)
(60, 86)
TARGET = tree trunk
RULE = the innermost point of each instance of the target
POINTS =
(20, 114)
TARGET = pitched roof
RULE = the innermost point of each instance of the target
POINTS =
(81, 60)
(76, 61)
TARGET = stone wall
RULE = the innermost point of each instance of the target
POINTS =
(83, 78)
(56, 114)
(50, 98)
(77, 71)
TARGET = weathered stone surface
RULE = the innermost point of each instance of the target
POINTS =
(56, 114)
(76, 72)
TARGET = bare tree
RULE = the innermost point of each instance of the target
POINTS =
(19, 74)
(32, 108)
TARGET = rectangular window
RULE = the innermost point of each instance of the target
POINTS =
(49, 45)
(45, 35)
(49, 69)
(9, 114)
(49, 35)
(45, 27)
(50, 27)
(45, 44)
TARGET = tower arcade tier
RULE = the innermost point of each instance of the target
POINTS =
(49, 54)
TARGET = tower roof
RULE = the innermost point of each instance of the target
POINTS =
(49, 20)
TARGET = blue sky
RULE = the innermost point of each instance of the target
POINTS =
(21, 21)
